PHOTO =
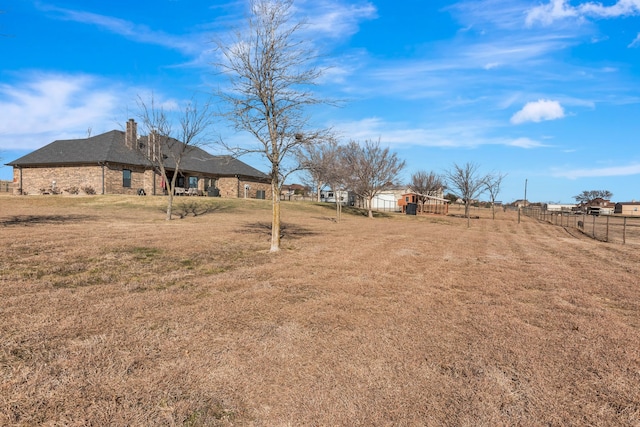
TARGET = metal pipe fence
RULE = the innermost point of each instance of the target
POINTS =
(606, 228)
(6, 186)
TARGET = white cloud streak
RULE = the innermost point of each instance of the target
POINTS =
(628, 170)
(333, 19)
(447, 135)
(130, 30)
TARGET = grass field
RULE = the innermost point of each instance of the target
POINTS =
(110, 315)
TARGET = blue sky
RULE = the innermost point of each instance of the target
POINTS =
(544, 91)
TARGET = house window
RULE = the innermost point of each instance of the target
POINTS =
(193, 182)
(126, 178)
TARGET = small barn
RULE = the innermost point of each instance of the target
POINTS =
(432, 204)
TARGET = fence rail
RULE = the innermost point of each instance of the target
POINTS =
(607, 228)
(6, 186)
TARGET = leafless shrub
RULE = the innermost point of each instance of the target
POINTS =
(72, 190)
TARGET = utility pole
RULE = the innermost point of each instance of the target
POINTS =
(524, 202)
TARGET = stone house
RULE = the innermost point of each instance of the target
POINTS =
(115, 163)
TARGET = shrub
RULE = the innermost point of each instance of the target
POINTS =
(89, 190)
(72, 190)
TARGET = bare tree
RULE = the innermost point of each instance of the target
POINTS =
(318, 161)
(270, 71)
(371, 169)
(492, 183)
(588, 196)
(426, 184)
(325, 164)
(469, 185)
(166, 144)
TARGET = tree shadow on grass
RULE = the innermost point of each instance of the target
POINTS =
(194, 208)
(28, 220)
(286, 230)
(352, 210)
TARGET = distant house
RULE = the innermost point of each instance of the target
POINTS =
(387, 200)
(113, 163)
(345, 197)
(295, 192)
(627, 208)
(599, 206)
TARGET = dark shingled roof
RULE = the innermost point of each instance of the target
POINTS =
(110, 147)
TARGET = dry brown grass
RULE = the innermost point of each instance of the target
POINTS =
(112, 316)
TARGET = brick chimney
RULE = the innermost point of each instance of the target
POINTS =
(131, 135)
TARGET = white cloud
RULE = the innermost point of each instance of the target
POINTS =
(546, 14)
(53, 106)
(620, 8)
(635, 42)
(628, 170)
(538, 111)
(552, 11)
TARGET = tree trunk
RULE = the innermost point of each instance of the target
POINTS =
(275, 218)
(169, 205)
(369, 206)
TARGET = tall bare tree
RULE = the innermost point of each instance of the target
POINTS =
(492, 183)
(271, 72)
(466, 181)
(371, 169)
(167, 143)
(426, 184)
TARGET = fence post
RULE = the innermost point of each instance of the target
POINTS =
(624, 231)
(593, 229)
(607, 228)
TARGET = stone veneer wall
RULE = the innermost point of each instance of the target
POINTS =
(113, 180)
(35, 179)
(233, 187)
